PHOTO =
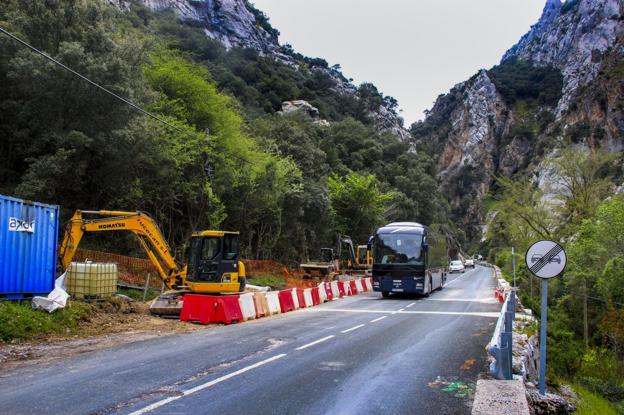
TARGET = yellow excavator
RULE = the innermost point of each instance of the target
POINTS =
(212, 268)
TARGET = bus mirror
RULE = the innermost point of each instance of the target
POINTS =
(425, 246)
(369, 244)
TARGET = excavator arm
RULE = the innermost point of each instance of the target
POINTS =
(141, 225)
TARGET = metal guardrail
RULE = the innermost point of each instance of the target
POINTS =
(500, 347)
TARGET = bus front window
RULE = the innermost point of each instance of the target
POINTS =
(398, 249)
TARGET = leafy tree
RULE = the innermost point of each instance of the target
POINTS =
(358, 204)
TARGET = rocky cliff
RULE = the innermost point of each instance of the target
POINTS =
(562, 84)
(238, 24)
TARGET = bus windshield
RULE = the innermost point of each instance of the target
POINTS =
(398, 248)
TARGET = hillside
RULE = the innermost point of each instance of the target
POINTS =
(282, 147)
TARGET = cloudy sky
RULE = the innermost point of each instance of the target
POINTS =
(413, 50)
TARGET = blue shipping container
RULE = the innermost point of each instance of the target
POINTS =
(28, 238)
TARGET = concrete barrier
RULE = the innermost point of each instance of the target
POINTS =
(301, 298)
(334, 289)
(261, 304)
(353, 287)
(341, 288)
(247, 306)
(228, 310)
(286, 300)
(494, 397)
(295, 299)
(316, 296)
(358, 285)
(322, 292)
(198, 308)
(307, 296)
(273, 302)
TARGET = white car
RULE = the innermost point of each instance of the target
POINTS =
(469, 263)
(456, 266)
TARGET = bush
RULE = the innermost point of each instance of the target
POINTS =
(276, 282)
(601, 372)
(591, 404)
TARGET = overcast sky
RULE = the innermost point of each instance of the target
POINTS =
(413, 50)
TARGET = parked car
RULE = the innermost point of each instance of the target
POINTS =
(469, 263)
(456, 266)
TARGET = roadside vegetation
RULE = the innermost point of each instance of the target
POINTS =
(577, 207)
(18, 320)
(276, 282)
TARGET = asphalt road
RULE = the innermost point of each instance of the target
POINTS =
(361, 354)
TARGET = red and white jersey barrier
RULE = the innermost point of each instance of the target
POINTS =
(227, 309)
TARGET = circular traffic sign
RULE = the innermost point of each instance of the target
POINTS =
(545, 259)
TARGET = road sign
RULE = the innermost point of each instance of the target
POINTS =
(546, 259)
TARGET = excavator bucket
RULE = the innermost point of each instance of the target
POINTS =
(168, 304)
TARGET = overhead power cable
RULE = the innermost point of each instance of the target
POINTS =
(95, 84)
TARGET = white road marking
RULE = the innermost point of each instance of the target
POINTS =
(352, 328)
(401, 309)
(456, 279)
(377, 319)
(305, 346)
(410, 305)
(470, 300)
(203, 386)
(449, 313)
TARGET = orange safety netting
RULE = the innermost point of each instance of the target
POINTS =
(267, 267)
(134, 270)
(131, 270)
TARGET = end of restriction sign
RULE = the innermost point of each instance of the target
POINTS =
(546, 259)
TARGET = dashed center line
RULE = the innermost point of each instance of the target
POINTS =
(377, 319)
(353, 328)
(305, 346)
(410, 305)
(401, 309)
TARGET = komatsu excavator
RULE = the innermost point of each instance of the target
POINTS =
(212, 268)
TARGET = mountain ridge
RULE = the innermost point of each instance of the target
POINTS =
(561, 83)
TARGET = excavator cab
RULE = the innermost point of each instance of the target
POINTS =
(213, 264)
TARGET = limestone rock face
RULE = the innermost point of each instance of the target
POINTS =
(478, 134)
(571, 37)
(231, 22)
(302, 106)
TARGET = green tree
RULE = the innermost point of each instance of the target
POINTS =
(358, 204)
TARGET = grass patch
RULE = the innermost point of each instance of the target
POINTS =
(273, 281)
(18, 321)
(590, 403)
(138, 294)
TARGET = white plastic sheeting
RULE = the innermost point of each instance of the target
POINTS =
(307, 296)
(55, 300)
(247, 306)
(273, 302)
(295, 298)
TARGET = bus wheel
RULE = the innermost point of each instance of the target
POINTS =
(385, 294)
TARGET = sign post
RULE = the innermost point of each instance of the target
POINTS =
(513, 262)
(545, 260)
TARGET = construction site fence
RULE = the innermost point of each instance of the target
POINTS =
(133, 271)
